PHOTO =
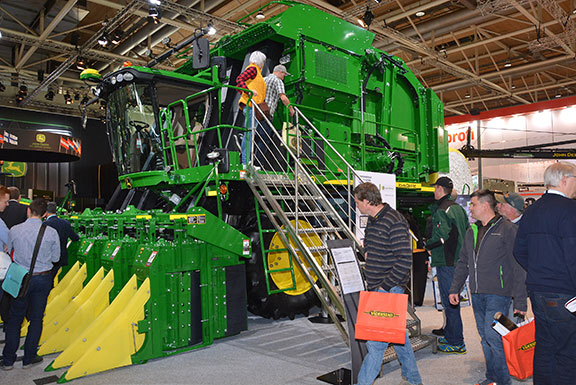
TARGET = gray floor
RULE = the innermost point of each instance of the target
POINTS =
(280, 353)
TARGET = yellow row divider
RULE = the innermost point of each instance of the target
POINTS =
(73, 352)
(54, 320)
(115, 343)
(85, 314)
(69, 291)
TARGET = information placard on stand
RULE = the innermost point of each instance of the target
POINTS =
(352, 283)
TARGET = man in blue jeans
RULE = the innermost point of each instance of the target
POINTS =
(449, 224)
(546, 247)
(388, 260)
(22, 239)
(495, 277)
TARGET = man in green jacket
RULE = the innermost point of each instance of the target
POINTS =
(449, 225)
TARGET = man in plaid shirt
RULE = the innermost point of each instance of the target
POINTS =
(275, 91)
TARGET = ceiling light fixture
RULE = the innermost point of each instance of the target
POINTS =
(103, 40)
(155, 2)
(260, 15)
(467, 96)
(508, 63)
(420, 13)
(155, 14)
(211, 29)
(117, 37)
(81, 63)
(368, 17)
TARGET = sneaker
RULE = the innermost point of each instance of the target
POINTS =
(438, 332)
(6, 367)
(34, 362)
(442, 341)
(405, 382)
(452, 349)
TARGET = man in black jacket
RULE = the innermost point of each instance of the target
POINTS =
(495, 278)
(546, 247)
(16, 212)
(65, 232)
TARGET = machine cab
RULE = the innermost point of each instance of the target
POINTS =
(154, 119)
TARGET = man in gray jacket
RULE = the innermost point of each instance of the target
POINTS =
(495, 278)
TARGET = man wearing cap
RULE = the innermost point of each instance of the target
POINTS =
(449, 225)
(275, 91)
(510, 206)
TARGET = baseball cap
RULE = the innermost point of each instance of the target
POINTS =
(281, 68)
(444, 181)
(512, 198)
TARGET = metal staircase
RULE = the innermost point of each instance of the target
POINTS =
(308, 200)
(302, 210)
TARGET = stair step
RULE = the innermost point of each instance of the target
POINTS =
(268, 178)
(316, 249)
(304, 213)
(292, 197)
(319, 230)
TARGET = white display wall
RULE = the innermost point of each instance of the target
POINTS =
(538, 127)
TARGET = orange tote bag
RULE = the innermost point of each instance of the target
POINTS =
(382, 317)
(519, 349)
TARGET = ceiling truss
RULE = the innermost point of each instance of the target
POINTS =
(475, 54)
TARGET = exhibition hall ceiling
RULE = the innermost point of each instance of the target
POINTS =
(476, 55)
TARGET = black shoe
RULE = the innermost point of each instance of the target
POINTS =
(438, 332)
(6, 367)
(34, 362)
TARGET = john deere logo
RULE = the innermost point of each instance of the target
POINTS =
(382, 314)
(14, 169)
(528, 346)
(40, 138)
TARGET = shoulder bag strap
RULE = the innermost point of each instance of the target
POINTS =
(37, 246)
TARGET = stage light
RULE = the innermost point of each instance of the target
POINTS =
(81, 63)
(103, 40)
(368, 17)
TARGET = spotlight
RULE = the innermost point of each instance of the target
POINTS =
(81, 63)
(49, 95)
(103, 40)
(155, 2)
(211, 30)
(368, 17)
(155, 14)
(76, 97)
(68, 99)
(19, 97)
(2, 87)
(117, 37)
(102, 104)
(85, 100)
(23, 89)
(260, 15)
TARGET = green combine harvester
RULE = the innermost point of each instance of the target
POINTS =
(192, 239)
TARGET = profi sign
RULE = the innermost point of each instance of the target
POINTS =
(459, 137)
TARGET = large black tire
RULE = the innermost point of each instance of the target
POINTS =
(276, 306)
